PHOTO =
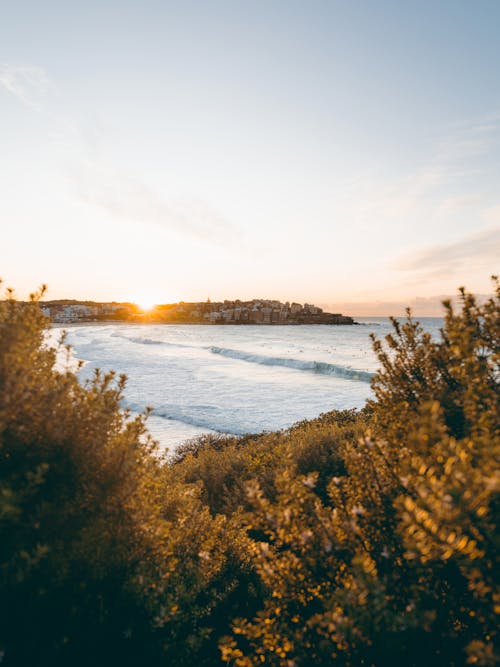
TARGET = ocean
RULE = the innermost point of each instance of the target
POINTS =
(233, 379)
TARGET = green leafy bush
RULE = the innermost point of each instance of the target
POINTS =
(358, 538)
(400, 565)
(101, 560)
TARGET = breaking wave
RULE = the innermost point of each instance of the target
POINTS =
(201, 416)
(320, 367)
(139, 340)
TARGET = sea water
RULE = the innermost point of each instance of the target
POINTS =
(234, 379)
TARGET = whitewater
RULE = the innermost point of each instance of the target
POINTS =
(233, 379)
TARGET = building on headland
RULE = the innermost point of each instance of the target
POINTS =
(255, 311)
(74, 311)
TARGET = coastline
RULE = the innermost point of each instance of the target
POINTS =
(207, 324)
(255, 311)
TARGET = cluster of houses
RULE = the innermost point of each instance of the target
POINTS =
(67, 312)
(256, 311)
(262, 311)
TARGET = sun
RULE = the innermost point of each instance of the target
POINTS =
(146, 302)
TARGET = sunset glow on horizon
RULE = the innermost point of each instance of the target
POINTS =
(330, 153)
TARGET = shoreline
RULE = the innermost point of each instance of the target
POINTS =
(208, 324)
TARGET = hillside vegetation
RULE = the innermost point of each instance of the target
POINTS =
(359, 538)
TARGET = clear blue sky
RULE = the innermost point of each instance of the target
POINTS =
(319, 151)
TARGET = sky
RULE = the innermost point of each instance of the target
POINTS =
(333, 152)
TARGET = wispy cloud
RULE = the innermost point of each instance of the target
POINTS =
(459, 204)
(103, 185)
(431, 306)
(29, 84)
(481, 250)
(440, 186)
(125, 197)
(468, 140)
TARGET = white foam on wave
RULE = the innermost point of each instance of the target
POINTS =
(230, 379)
(200, 416)
(320, 367)
(66, 359)
(139, 340)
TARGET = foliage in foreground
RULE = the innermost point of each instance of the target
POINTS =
(354, 539)
(100, 560)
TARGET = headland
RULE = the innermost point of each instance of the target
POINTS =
(255, 311)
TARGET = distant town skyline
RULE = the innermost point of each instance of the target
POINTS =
(327, 152)
(256, 311)
(419, 307)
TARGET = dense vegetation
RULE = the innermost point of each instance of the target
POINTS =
(359, 538)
